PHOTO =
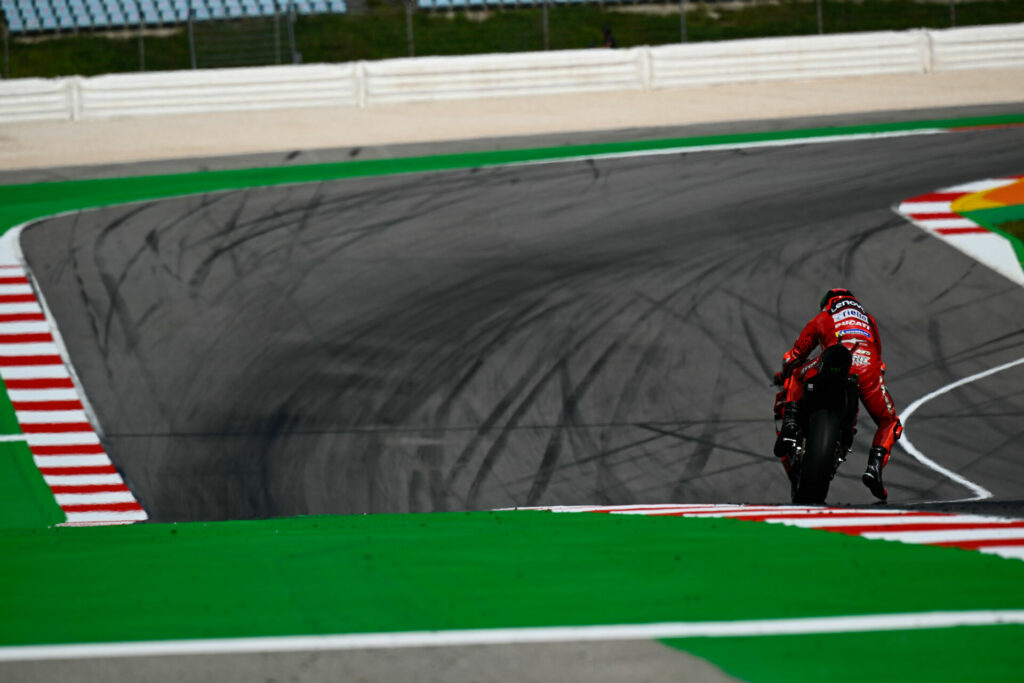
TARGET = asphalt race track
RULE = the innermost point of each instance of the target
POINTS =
(570, 333)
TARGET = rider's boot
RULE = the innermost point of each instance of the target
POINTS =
(873, 474)
(789, 434)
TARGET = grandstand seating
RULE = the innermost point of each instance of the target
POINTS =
(447, 5)
(45, 16)
(42, 16)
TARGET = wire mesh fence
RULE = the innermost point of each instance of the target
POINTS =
(382, 29)
(257, 41)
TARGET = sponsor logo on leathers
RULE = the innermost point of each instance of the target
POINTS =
(850, 313)
(837, 306)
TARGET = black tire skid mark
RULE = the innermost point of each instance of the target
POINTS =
(606, 481)
(432, 456)
(404, 400)
(704, 445)
(539, 384)
(569, 419)
(570, 403)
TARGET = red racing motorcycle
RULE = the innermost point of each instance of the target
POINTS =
(826, 415)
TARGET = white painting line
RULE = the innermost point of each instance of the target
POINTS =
(979, 492)
(512, 636)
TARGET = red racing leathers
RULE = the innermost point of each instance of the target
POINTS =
(845, 321)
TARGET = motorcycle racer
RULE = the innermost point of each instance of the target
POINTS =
(842, 320)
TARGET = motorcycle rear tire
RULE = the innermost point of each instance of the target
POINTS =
(819, 458)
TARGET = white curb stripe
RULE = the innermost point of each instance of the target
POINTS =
(37, 349)
(947, 535)
(1013, 552)
(922, 208)
(50, 416)
(23, 327)
(945, 223)
(94, 498)
(7, 309)
(36, 395)
(71, 460)
(82, 479)
(35, 372)
(896, 520)
(102, 518)
(63, 439)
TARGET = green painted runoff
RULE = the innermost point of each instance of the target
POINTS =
(953, 655)
(26, 499)
(382, 573)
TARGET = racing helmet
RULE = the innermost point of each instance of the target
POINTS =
(832, 294)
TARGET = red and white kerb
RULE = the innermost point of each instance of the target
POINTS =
(1001, 536)
(50, 411)
(933, 213)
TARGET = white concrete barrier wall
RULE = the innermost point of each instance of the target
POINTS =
(978, 48)
(503, 75)
(511, 75)
(737, 61)
(180, 92)
(36, 99)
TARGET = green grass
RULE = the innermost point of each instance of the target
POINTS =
(993, 653)
(382, 34)
(383, 573)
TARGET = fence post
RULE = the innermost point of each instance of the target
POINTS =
(7, 55)
(296, 58)
(409, 38)
(142, 49)
(277, 33)
(952, 13)
(191, 39)
(821, 23)
(544, 26)
(682, 21)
